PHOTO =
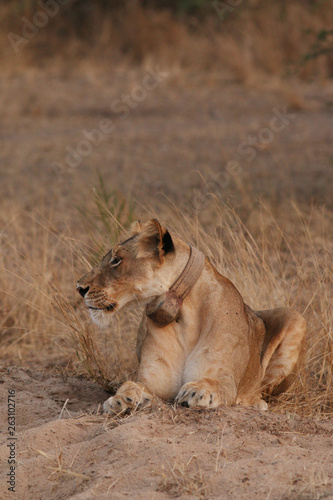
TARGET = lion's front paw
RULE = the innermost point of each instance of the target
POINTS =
(197, 394)
(128, 397)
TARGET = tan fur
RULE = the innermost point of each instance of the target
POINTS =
(218, 351)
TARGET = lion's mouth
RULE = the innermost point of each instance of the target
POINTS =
(110, 307)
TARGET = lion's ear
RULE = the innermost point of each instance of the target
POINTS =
(154, 240)
(135, 228)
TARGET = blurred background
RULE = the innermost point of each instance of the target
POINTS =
(216, 117)
(225, 67)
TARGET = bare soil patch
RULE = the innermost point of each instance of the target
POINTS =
(163, 453)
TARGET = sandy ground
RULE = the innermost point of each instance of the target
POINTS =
(80, 454)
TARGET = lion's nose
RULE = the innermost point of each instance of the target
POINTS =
(82, 291)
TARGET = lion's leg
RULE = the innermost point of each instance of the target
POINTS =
(162, 360)
(159, 372)
(213, 370)
(129, 396)
(283, 349)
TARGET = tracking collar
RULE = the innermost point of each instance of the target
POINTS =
(164, 309)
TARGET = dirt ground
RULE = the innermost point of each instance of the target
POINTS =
(185, 128)
(77, 453)
(226, 453)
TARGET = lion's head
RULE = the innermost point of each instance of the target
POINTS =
(141, 267)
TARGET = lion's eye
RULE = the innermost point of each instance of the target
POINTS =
(115, 261)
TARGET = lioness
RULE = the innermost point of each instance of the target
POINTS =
(198, 343)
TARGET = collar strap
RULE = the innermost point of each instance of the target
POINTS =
(190, 274)
(164, 309)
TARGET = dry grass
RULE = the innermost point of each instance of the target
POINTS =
(58, 468)
(316, 485)
(41, 262)
(272, 264)
(280, 38)
(180, 479)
